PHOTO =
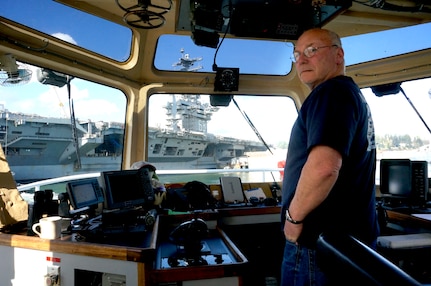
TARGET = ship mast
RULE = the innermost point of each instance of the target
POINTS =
(185, 63)
(186, 113)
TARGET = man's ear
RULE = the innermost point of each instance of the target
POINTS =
(340, 55)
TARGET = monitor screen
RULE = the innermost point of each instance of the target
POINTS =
(396, 178)
(84, 193)
(127, 188)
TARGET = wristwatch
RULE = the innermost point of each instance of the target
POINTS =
(290, 219)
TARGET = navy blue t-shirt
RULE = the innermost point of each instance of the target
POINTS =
(335, 114)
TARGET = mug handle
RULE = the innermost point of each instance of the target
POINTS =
(34, 228)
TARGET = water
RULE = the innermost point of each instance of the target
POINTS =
(56, 189)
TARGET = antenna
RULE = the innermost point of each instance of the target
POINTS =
(186, 63)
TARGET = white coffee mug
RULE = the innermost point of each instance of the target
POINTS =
(48, 227)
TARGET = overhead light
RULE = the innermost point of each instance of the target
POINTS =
(220, 99)
(50, 77)
(386, 89)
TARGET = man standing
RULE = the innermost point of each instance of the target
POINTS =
(329, 176)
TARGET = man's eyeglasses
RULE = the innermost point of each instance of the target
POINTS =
(309, 52)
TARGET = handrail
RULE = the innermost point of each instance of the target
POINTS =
(212, 171)
(38, 184)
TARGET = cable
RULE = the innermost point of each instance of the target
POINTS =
(224, 36)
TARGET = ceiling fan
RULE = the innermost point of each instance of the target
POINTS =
(11, 73)
(144, 14)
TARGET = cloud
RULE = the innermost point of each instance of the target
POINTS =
(65, 37)
(96, 110)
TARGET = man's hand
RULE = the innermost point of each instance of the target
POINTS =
(292, 231)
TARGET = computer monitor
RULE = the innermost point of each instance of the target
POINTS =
(127, 188)
(404, 181)
(84, 193)
(396, 178)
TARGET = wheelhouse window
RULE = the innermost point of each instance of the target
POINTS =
(402, 121)
(71, 25)
(47, 130)
(179, 53)
(250, 132)
(386, 43)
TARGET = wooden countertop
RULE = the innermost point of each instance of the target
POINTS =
(406, 219)
(68, 244)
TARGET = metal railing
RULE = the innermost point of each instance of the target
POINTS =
(266, 175)
(36, 185)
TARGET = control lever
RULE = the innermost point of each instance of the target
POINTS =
(276, 192)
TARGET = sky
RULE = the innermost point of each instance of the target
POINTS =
(78, 28)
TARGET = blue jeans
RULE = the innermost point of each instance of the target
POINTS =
(299, 267)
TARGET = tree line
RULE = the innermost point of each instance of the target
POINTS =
(387, 142)
(399, 142)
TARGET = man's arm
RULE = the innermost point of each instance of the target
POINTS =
(318, 176)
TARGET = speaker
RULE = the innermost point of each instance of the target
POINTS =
(227, 79)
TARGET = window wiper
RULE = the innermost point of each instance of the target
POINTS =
(417, 112)
(252, 126)
(73, 123)
(50, 77)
